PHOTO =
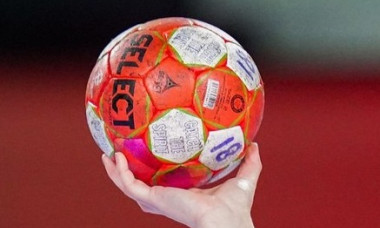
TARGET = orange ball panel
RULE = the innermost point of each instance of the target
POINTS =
(122, 103)
(220, 99)
(191, 174)
(138, 53)
(254, 115)
(170, 85)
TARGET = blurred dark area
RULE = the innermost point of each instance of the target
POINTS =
(67, 27)
(319, 60)
(323, 34)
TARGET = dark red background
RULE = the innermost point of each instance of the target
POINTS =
(319, 144)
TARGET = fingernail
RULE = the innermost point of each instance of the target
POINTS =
(255, 145)
(117, 156)
(104, 157)
(254, 148)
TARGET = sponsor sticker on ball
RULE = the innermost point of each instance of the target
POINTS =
(198, 46)
(211, 94)
(222, 147)
(242, 64)
(97, 130)
(177, 136)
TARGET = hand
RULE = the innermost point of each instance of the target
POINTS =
(226, 205)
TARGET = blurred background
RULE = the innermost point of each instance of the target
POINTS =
(319, 140)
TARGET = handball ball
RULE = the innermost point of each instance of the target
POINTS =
(180, 98)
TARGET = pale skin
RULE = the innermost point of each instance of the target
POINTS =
(226, 205)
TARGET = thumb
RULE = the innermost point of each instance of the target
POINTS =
(251, 168)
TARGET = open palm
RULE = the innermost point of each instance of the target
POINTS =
(226, 205)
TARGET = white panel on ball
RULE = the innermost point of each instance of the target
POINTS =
(198, 46)
(176, 136)
(96, 126)
(222, 147)
(242, 64)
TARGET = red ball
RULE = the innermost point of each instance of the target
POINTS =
(179, 97)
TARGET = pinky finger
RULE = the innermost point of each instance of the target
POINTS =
(251, 168)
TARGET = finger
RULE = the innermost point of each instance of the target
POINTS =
(112, 172)
(133, 188)
(251, 168)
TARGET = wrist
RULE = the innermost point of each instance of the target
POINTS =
(241, 221)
